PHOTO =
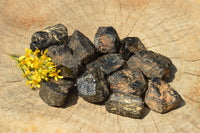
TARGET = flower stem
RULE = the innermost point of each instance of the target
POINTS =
(16, 57)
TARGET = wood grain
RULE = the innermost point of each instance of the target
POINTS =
(170, 27)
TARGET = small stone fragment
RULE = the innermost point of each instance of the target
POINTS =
(129, 46)
(106, 40)
(128, 81)
(125, 105)
(54, 94)
(54, 35)
(64, 60)
(150, 63)
(92, 86)
(161, 97)
(82, 48)
(107, 63)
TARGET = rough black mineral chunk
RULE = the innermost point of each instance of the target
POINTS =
(54, 94)
(125, 105)
(82, 48)
(107, 63)
(128, 81)
(63, 83)
(129, 46)
(150, 63)
(106, 40)
(54, 35)
(160, 97)
(92, 86)
(64, 60)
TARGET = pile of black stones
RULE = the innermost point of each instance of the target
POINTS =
(122, 74)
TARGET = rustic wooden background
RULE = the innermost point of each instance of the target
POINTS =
(171, 27)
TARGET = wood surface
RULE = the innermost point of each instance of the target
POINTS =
(170, 27)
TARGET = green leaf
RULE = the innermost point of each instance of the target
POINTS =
(14, 56)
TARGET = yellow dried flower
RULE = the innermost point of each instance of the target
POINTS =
(37, 51)
(55, 74)
(36, 67)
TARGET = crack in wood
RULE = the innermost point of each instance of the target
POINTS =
(184, 60)
(193, 74)
(156, 126)
(138, 18)
(60, 12)
(191, 99)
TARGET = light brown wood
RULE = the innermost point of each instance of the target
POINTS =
(170, 27)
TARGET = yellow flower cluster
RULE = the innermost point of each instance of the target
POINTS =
(37, 67)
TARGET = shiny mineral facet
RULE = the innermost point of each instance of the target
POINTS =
(129, 46)
(108, 63)
(54, 35)
(81, 47)
(125, 105)
(128, 81)
(161, 97)
(106, 40)
(92, 86)
(150, 63)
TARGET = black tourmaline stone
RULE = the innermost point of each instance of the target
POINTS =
(63, 83)
(128, 81)
(64, 60)
(160, 97)
(150, 63)
(92, 86)
(54, 35)
(108, 63)
(129, 46)
(81, 47)
(106, 40)
(54, 94)
(125, 105)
